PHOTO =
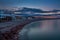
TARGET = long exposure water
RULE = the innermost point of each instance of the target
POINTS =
(43, 29)
(46, 29)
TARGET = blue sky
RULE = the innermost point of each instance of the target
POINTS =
(40, 4)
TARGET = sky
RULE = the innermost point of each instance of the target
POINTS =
(40, 4)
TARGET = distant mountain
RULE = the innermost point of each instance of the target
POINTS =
(25, 9)
(34, 10)
(56, 10)
(30, 10)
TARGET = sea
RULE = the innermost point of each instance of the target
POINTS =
(41, 30)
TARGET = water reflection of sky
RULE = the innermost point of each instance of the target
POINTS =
(41, 29)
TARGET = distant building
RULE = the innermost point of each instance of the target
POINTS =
(17, 12)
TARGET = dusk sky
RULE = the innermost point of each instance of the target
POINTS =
(40, 4)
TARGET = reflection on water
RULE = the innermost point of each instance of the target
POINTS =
(46, 29)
